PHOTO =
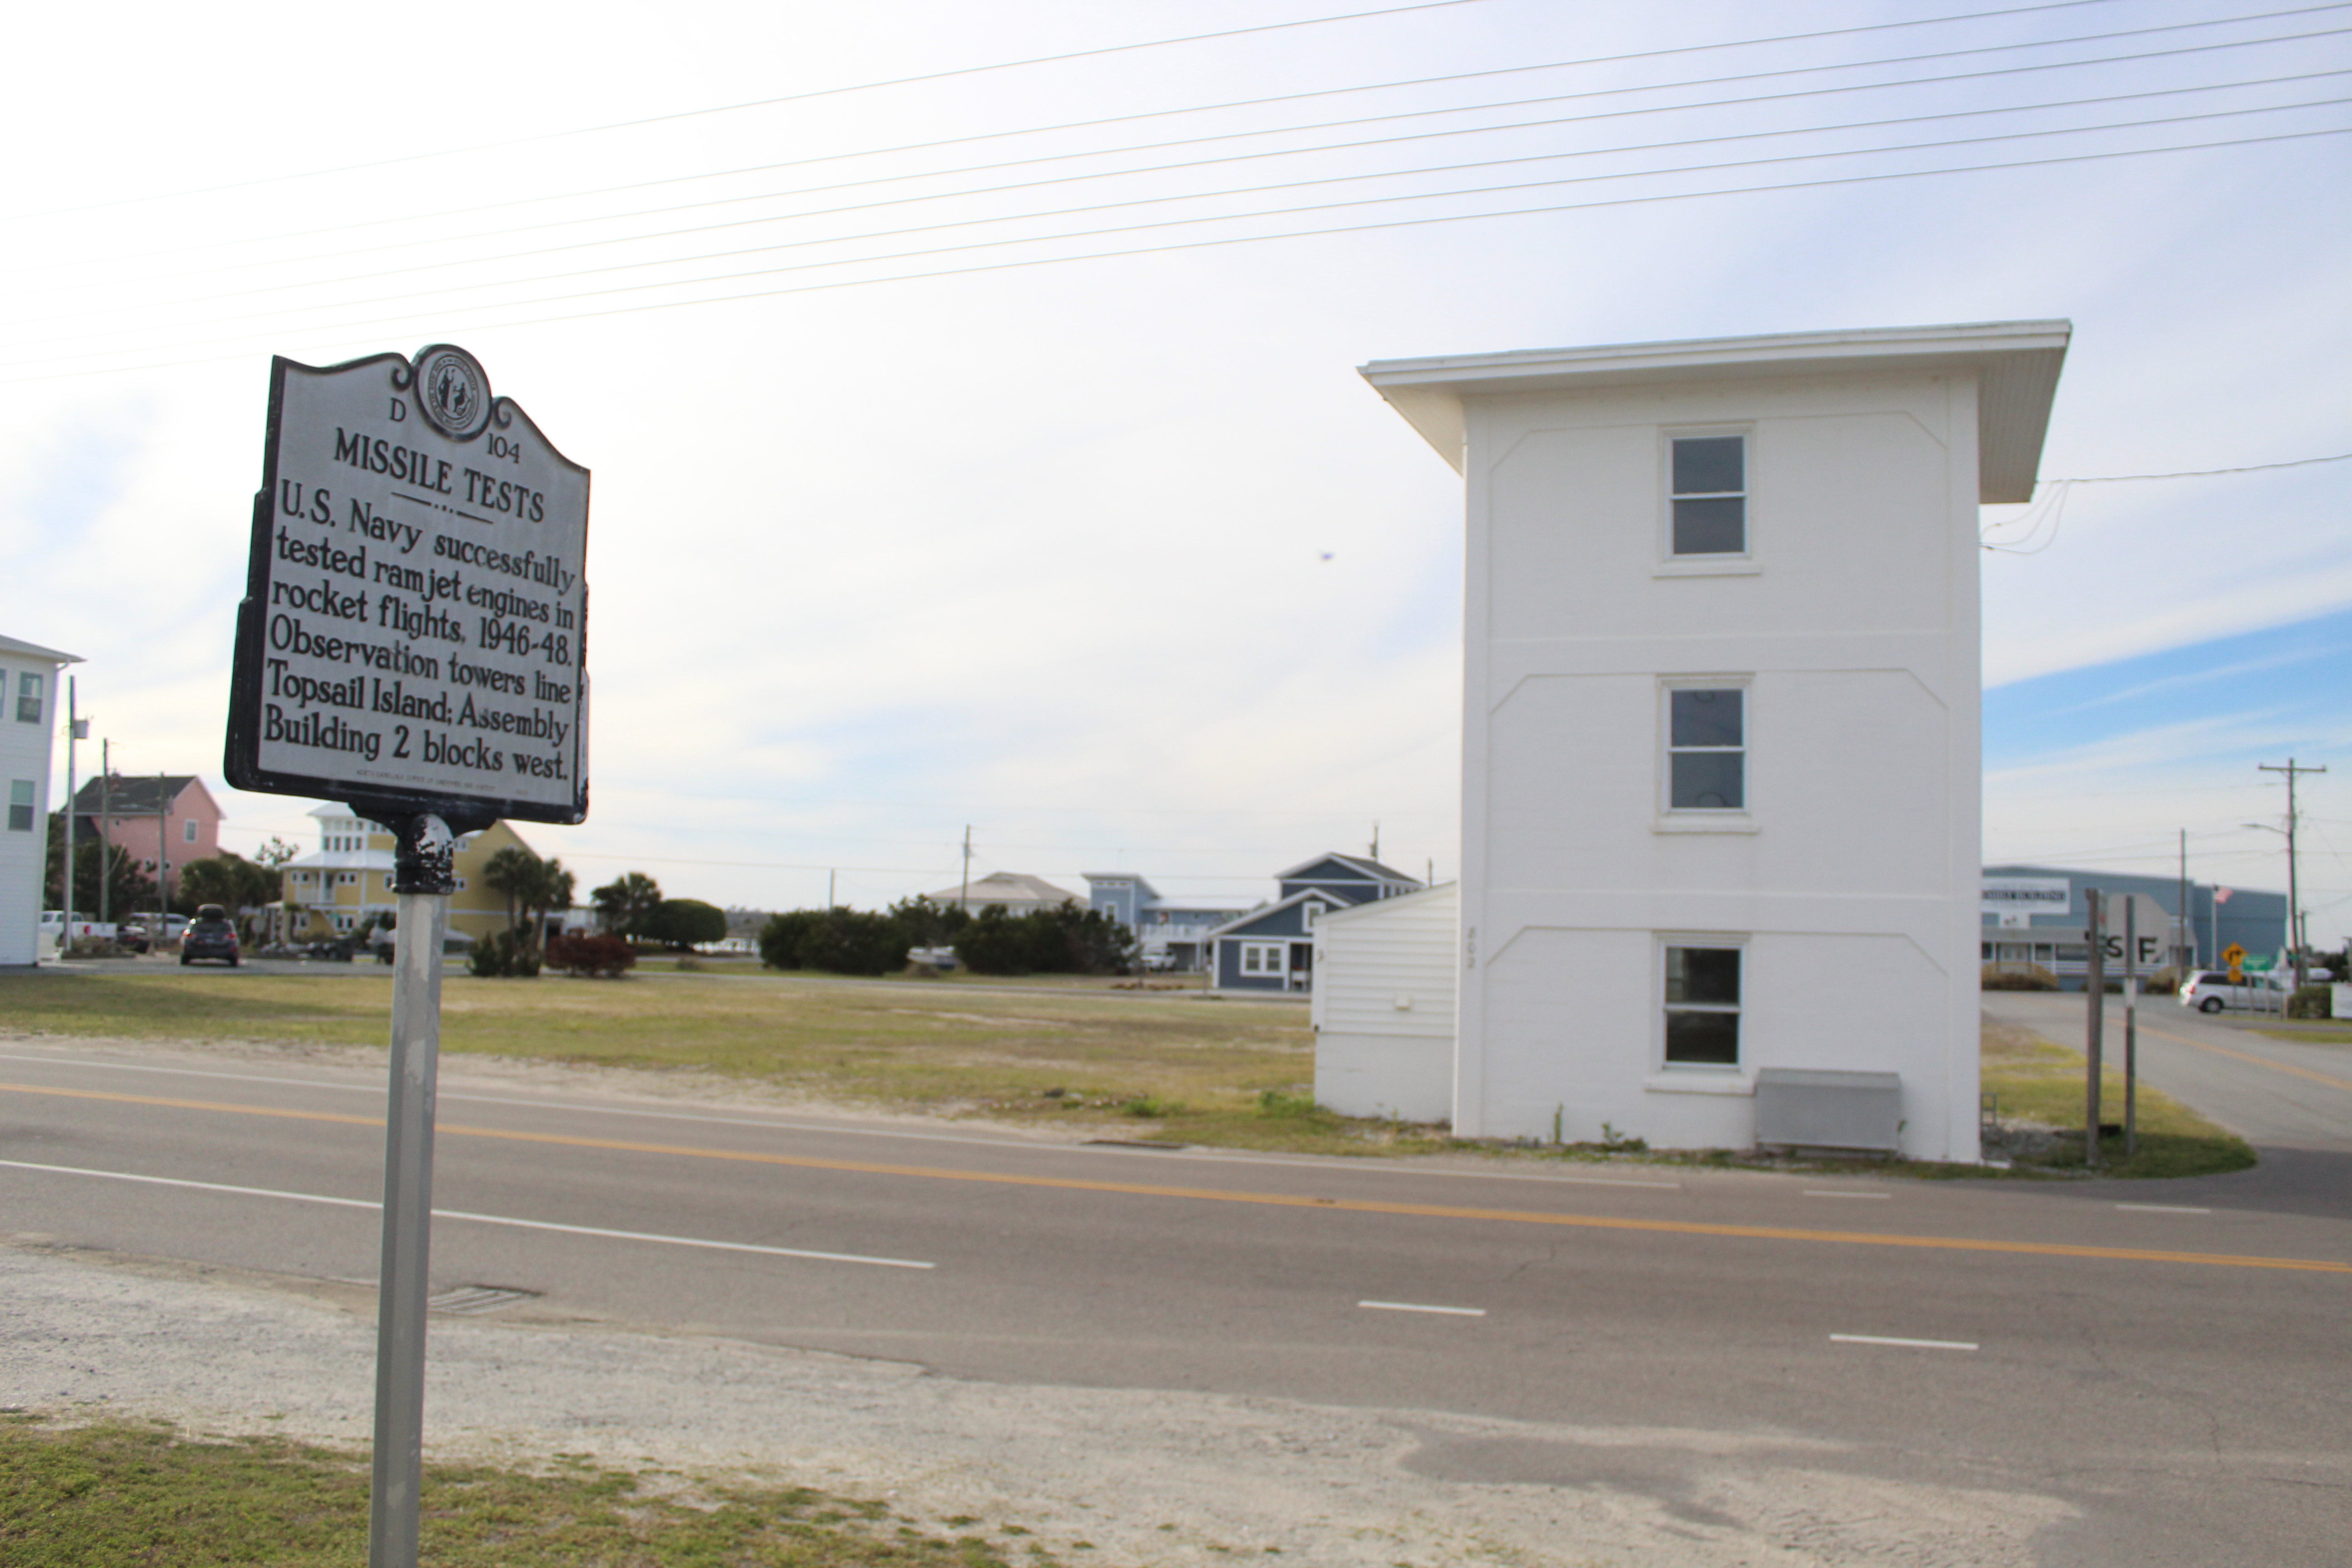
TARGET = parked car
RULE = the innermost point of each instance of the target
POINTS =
(337, 950)
(209, 936)
(2211, 990)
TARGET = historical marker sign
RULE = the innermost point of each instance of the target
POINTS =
(414, 631)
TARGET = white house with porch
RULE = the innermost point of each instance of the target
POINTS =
(1720, 759)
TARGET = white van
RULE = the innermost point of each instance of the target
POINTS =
(2211, 990)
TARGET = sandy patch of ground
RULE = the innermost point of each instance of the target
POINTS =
(1147, 1477)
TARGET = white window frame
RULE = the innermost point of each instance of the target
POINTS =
(188, 830)
(32, 692)
(1672, 818)
(30, 804)
(1734, 941)
(1741, 563)
(1266, 958)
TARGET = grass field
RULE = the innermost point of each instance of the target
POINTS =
(2039, 1082)
(132, 1493)
(1173, 1067)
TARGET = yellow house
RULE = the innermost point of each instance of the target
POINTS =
(333, 892)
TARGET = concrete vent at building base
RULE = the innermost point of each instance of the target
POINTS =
(1805, 1107)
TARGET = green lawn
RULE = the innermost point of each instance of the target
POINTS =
(140, 1493)
(1149, 1065)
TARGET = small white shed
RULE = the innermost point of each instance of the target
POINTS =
(1384, 989)
(28, 717)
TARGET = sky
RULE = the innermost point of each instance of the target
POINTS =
(977, 443)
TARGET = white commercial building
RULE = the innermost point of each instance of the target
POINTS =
(1720, 809)
(28, 717)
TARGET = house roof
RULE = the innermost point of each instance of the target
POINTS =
(1370, 867)
(135, 795)
(1146, 888)
(1004, 888)
(1233, 926)
(2016, 365)
(1378, 907)
(34, 651)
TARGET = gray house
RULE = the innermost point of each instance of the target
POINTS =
(1272, 948)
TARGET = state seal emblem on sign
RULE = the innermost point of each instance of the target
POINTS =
(453, 390)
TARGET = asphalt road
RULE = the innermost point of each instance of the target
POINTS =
(2168, 1360)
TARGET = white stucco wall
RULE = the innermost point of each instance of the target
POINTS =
(1853, 625)
(1849, 881)
(1385, 982)
(24, 754)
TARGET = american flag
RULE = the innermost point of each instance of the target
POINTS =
(2220, 895)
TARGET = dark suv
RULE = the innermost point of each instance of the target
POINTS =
(209, 935)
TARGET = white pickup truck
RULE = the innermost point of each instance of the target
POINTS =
(52, 929)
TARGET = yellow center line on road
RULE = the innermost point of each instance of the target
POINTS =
(2327, 1078)
(1217, 1195)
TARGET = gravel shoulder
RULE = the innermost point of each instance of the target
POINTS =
(1140, 1477)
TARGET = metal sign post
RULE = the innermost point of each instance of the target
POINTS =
(423, 879)
(2094, 984)
(414, 644)
(2131, 1025)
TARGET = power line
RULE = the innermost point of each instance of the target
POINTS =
(505, 204)
(1196, 164)
(1822, 184)
(788, 97)
(2204, 473)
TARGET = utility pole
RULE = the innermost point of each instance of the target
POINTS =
(105, 829)
(2184, 945)
(829, 876)
(73, 733)
(1376, 840)
(2293, 899)
(963, 900)
(162, 861)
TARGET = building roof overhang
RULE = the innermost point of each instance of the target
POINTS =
(34, 651)
(2016, 364)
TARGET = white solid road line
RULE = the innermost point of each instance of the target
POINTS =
(1909, 1345)
(479, 1219)
(1415, 1307)
(827, 1128)
(2162, 1208)
(1811, 1193)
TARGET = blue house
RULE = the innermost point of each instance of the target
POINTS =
(1272, 948)
(1170, 932)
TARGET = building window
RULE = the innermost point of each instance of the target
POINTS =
(188, 831)
(1308, 912)
(28, 697)
(1262, 957)
(1702, 1005)
(1707, 748)
(20, 805)
(1710, 495)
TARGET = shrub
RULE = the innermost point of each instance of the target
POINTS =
(2033, 977)
(1064, 939)
(502, 955)
(2312, 1002)
(593, 956)
(683, 922)
(2163, 983)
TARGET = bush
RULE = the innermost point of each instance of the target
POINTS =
(2163, 983)
(1064, 939)
(591, 956)
(502, 955)
(2033, 977)
(683, 922)
(2312, 1002)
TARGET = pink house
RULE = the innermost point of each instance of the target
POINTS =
(134, 811)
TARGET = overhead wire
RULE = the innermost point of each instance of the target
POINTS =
(322, 330)
(642, 238)
(508, 204)
(788, 97)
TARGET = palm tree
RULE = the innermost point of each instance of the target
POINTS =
(512, 872)
(624, 904)
(551, 888)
